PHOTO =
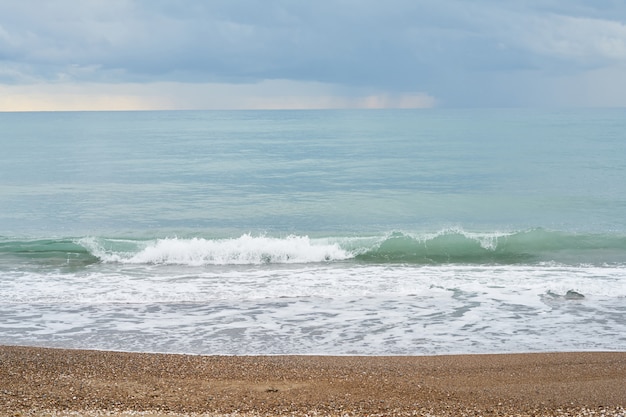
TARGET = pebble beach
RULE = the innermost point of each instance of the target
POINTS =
(57, 382)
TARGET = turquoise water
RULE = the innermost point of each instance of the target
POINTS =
(331, 232)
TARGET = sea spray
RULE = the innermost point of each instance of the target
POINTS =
(245, 250)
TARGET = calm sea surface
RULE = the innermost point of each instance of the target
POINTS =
(314, 232)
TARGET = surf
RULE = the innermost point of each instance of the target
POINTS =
(532, 246)
(446, 246)
(244, 250)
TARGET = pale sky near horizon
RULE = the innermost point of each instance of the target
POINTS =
(273, 54)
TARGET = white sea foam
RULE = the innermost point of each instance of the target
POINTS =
(130, 283)
(245, 250)
(328, 308)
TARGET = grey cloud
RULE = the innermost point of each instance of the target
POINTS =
(452, 49)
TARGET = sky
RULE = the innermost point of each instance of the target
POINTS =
(307, 54)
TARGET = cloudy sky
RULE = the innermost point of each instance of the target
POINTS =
(230, 54)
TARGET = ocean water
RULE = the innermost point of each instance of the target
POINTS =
(379, 232)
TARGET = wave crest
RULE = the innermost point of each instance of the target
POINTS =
(245, 250)
(531, 246)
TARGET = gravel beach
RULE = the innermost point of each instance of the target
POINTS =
(56, 382)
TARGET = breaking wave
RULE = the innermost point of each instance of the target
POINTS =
(443, 247)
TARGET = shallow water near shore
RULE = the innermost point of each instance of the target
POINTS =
(314, 232)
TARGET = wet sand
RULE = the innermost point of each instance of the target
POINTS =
(38, 381)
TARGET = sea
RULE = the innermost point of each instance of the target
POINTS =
(321, 232)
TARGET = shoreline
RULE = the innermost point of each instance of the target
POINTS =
(48, 381)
